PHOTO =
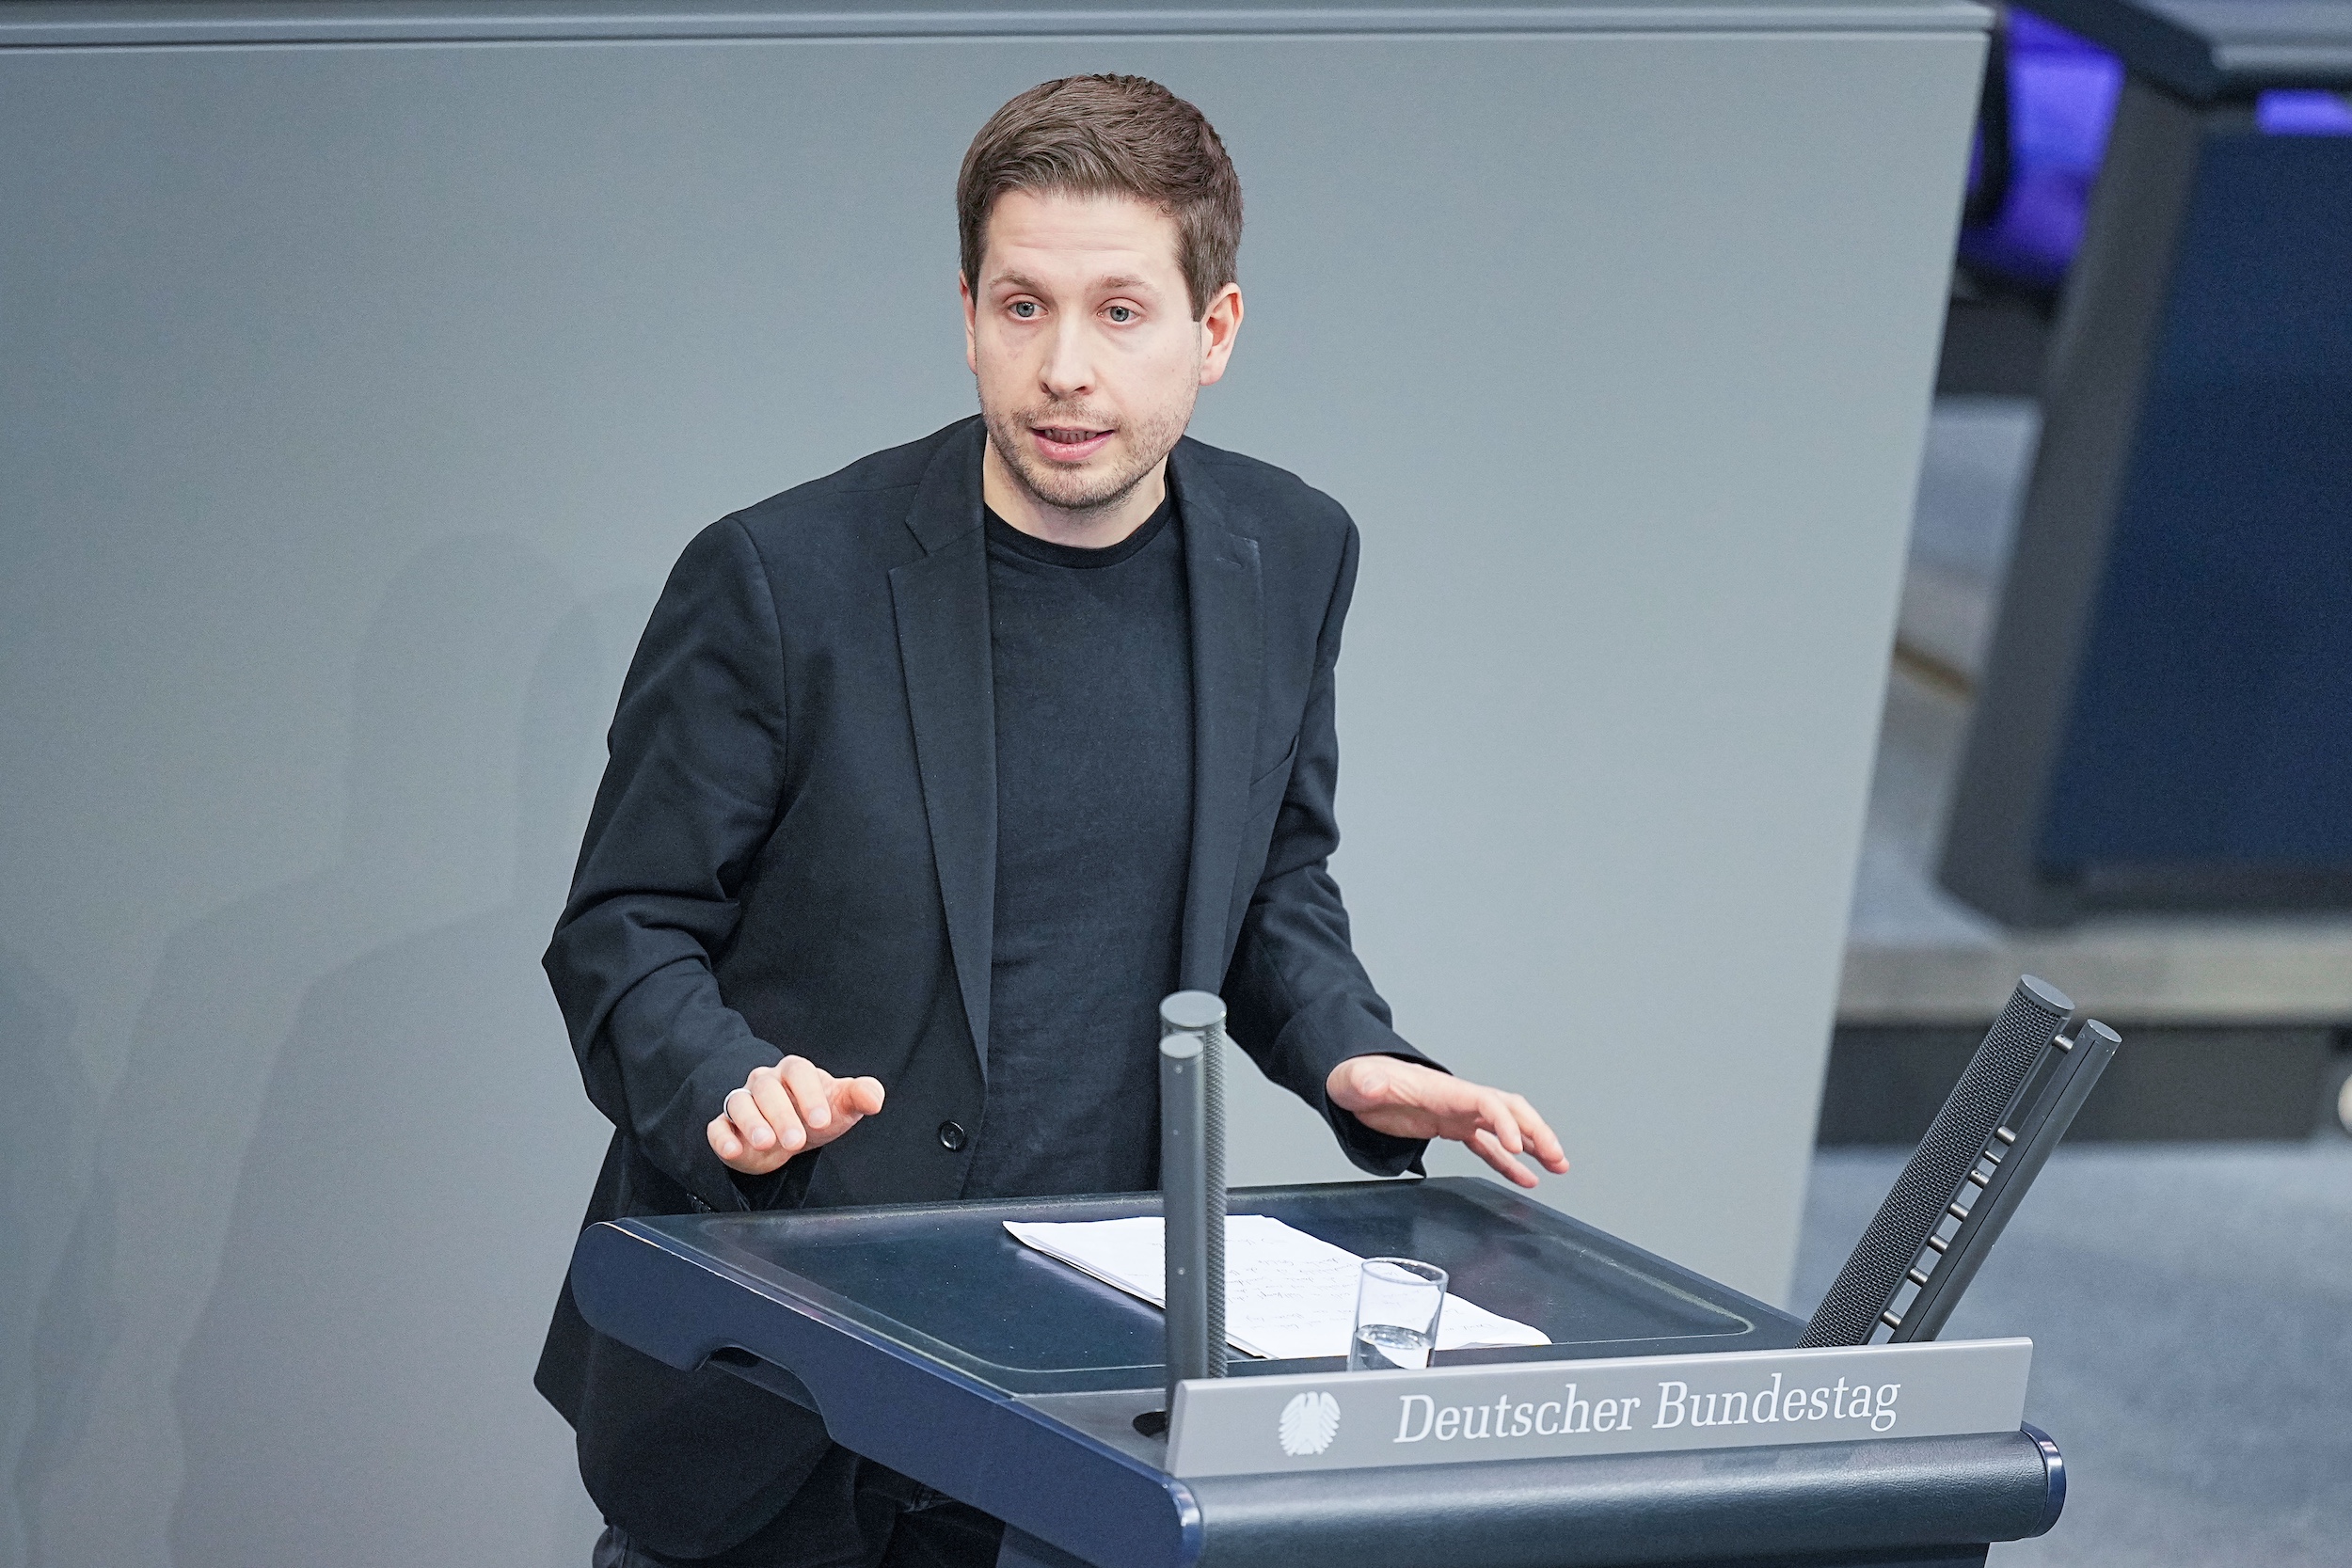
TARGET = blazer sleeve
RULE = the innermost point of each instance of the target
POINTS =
(1298, 999)
(691, 793)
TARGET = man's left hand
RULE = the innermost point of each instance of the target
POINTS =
(1406, 1099)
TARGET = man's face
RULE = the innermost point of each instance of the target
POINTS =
(1080, 334)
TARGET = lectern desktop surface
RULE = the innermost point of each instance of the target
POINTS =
(947, 1281)
(932, 1342)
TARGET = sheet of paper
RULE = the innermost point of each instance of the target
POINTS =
(1287, 1294)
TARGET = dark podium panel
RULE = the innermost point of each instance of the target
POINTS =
(2160, 723)
(932, 1342)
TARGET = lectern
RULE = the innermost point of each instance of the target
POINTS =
(929, 1340)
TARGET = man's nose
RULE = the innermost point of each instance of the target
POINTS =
(1069, 369)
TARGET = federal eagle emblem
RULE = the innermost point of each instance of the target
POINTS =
(1309, 1423)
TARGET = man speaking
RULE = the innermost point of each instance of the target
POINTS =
(929, 779)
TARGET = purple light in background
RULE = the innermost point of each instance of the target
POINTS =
(2062, 93)
(2303, 114)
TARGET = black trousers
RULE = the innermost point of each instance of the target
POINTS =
(852, 1514)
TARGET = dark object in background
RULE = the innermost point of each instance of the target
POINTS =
(1995, 344)
(2160, 722)
(1906, 1223)
(2177, 1083)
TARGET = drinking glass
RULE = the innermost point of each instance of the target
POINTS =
(1397, 1304)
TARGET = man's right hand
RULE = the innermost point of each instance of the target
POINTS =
(785, 1110)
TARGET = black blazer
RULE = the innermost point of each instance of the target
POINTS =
(794, 849)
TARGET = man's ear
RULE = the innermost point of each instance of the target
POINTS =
(1220, 324)
(971, 324)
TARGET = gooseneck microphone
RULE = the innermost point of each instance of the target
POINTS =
(1192, 1184)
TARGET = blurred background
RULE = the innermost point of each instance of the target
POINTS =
(2113, 754)
(1925, 528)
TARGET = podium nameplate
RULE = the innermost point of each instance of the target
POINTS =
(1637, 1405)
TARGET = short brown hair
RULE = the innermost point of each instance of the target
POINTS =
(1098, 135)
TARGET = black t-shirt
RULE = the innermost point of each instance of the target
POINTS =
(1093, 656)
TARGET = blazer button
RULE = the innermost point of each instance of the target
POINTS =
(951, 1137)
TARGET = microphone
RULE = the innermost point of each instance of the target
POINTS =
(1928, 1188)
(1192, 1190)
(2045, 1108)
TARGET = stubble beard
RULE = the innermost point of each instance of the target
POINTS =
(1083, 494)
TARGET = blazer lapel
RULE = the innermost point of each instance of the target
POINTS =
(1228, 650)
(941, 603)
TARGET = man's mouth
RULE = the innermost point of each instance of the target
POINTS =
(1070, 443)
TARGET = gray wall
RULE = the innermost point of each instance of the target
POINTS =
(355, 401)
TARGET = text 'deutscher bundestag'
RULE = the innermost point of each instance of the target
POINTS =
(1637, 1405)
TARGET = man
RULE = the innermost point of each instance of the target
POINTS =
(930, 778)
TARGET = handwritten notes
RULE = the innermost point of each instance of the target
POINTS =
(1287, 1294)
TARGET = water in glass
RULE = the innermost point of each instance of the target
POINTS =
(1387, 1347)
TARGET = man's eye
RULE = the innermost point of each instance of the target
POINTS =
(1024, 309)
(1121, 314)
